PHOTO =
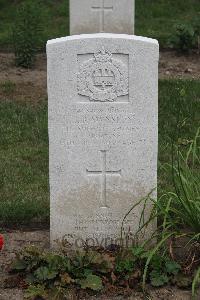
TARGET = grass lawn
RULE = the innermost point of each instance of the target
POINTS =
(24, 193)
(23, 163)
(154, 18)
(173, 108)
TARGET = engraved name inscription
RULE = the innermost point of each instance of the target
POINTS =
(103, 78)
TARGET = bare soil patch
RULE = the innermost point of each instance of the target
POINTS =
(30, 84)
(174, 65)
(16, 240)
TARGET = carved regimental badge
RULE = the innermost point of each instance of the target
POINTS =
(103, 78)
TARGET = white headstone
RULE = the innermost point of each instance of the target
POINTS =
(93, 16)
(103, 93)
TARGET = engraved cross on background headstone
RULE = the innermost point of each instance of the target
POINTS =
(102, 7)
(104, 172)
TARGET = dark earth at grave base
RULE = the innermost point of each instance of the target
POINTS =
(16, 240)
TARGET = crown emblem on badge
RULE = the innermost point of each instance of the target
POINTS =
(103, 78)
(103, 55)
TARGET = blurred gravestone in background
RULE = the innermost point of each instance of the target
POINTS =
(93, 16)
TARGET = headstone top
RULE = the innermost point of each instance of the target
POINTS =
(103, 35)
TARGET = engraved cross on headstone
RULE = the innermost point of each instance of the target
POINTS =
(103, 173)
(102, 7)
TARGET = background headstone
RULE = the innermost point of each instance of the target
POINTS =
(103, 123)
(93, 16)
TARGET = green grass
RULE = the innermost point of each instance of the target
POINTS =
(154, 18)
(55, 20)
(7, 87)
(24, 193)
(173, 106)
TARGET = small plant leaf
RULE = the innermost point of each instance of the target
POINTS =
(92, 282)
(138, 251)
(158, 279)
(43, 273)
(30, 278)
(124, 265)
(19, 265)
(34, 291)
(87, 272)
(172, 267)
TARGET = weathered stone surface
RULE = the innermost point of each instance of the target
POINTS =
(102, 134)
(93, 16)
